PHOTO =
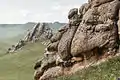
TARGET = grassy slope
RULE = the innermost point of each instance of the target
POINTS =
(7, 43)
(106, 71)
(19, 66)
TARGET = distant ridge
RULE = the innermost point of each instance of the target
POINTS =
(34, 32)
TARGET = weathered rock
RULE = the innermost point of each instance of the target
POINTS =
(65, 43)
(32, 33)
(74, 18)
(91, 16)
(96, 3)
(63, 29)
(52, 73)
(53, 46)
(83, 9)
(56, 37)
(97, 34)
(41, 31)
(89, 35)
(38, 73)
(72, 12)
(119, 23)
(38, 64)
(47, 62)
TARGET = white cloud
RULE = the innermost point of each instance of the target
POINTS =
(25, 12)
(56, 7)
(22, 11)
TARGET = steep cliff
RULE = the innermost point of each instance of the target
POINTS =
(92, 32)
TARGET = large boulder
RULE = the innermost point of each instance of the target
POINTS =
(51, 73)
(65, 43)
(96, 3)
(96, 30)
(53, 46)
(56, 37)
(83, 9)
(72, 12)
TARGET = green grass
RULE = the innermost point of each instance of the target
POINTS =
(106, 71)
(3, 48)
(19, 66)
(7, 43)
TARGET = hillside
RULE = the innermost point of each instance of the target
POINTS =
(11, 34)
(18, 66)
(85, 48)
(109, 70)
(5, 43)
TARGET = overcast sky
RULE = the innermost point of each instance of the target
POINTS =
(22, 11)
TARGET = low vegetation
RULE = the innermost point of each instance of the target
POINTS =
(19, 65)
(109, 70)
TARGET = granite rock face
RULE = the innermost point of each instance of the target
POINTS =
(93, 31)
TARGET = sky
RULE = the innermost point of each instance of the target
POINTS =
(23, 11)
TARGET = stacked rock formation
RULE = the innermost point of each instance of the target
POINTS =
(91, 32)
(41, 31)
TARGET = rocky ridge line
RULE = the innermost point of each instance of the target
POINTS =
(40, 32)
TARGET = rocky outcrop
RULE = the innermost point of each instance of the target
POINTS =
(89, 35)
(41, 32)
